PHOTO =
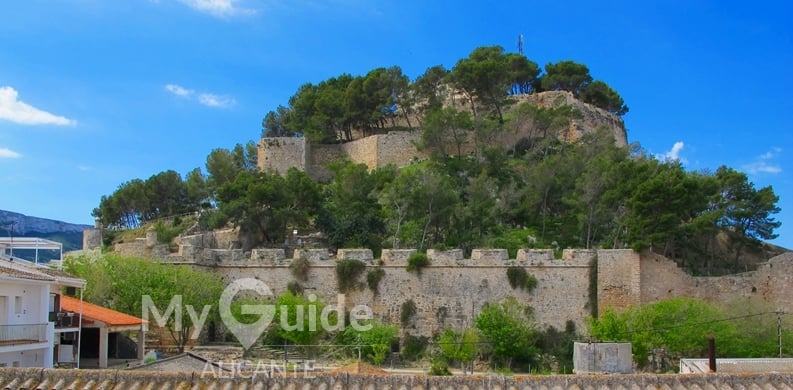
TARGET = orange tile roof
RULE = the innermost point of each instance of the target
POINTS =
(99, 313)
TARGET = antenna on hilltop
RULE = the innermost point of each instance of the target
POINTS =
(520, 44)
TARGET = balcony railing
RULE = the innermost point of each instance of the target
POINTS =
(63, 319)
(23, 334)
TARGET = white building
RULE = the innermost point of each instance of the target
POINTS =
(32, 324)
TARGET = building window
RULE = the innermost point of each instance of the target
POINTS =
(17, 305)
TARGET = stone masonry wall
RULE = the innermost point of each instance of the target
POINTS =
(449, 292)
(278, 154)
(618, 279)
(767, 288)
(453, 289)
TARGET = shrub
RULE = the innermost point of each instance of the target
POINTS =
(417, 261)
(373, 278)
(519, 278)
(347, 273)
(407, 312)
(439, 367)
(166, 234)
(414, 347)
(295, 288)
(300, 268)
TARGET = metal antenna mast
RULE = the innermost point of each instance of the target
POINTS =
(520, 44)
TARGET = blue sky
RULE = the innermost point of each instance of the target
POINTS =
(95, 92)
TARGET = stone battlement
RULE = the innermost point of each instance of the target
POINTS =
(389, 257)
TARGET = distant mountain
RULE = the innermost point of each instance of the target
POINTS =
(68, 234)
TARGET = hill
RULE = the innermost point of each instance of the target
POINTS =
(19, 225)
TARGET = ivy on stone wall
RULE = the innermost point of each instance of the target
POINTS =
(417, 261)
(373, 278)
(347, 273)
(300, 268)
(519, 278)
(407, 312)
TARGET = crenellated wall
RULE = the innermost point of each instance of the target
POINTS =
(453, 289)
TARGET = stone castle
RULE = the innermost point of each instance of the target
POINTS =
(453, 289)
(278, 154)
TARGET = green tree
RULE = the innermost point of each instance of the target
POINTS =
(566, 76)
(351, 216)
(746, 211)
(275, 123)
(259, 204)
(681, 325)
(132, 278)
(430, 89)
(488, 73)
(510, 329)
(601, 95)
(443, 128)
(460, 346)
(294, 321)
(374, 343)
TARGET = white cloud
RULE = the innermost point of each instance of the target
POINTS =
(178, 90)
(204, 98)
(212, 100)
(673, 154)
(84, 168)
(8, 153)
(763, 163)
(15, 110)
(218, 8)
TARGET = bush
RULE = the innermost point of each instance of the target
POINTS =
(295, 288)
(300, 268)
(439, 367)
(519, 278)
(407, 312)
(347, 273)
(373, 278)
(166, 234)
(414, 347)
(417, 261)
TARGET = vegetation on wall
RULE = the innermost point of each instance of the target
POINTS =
(347, 273)
(417, 261)
(300, 268)
(407, 311)
(519, 278)
(373, 279)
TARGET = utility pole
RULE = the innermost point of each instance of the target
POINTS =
(779, 330)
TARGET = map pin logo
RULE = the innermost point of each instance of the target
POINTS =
(247, 334)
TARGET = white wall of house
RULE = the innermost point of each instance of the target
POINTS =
(40, 357)
(25, 303)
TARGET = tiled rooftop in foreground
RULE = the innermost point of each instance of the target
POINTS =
(37, 378)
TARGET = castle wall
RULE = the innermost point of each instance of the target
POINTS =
(767, 288)
(399, 148)
(278, 154)
(363, 151)
(449, 292)
(319, 158)
(453, 289)
(618, 279)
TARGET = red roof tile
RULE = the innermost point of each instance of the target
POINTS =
(99, 313)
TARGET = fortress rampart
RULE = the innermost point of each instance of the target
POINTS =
(278, 154)
(453, 289)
